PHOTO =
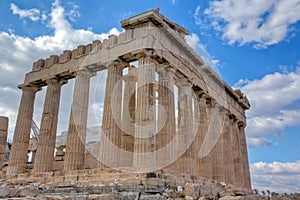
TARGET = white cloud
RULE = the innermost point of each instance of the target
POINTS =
(261, 22)
(33, 14)
(173, 1)
(254, 142)
(274, 104)
(276, 176)
(73, 13)
(196, 16)
(20, 52)
(44, 17)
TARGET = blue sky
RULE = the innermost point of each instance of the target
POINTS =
(255, 45)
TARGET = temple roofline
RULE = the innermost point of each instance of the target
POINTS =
(155, 17)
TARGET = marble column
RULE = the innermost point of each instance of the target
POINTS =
(145, 130)
(76, 137)
(226, 143)
(185, 162)
(203, 162)
(3, 137)
(244, 155)
(128, 115)
(46, 142)
(111, 122)
(236, 152)
(216, 152)
(166, 118)
(18, 154)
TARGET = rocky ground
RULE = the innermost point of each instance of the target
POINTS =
(109, 185)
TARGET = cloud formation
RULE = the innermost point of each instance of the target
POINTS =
(259, 22)
(275, 105)
(277, 176)
(33, 14)
(20, 52)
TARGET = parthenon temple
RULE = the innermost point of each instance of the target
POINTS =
(164, 109)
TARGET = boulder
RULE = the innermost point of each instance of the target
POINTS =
(192, 189)
(152, 197)
(4, 192)
(253, 197)
(129, 195)
(229, 198)
(27, 191)
(101, 197)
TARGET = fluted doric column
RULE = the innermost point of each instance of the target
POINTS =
(203, 162)
(111, 122)
(18, 154)
(228, 166)
(236, 152)
(216, 152)
(3, 137)
(185, 163)
(46, 142)
(76, 137)
(166, 153)
(244, 155)
(144, 142)
(128, 116)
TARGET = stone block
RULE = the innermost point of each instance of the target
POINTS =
(40, 63)
(226, 193)
(96, 45)
(105, 44)
(112, 40)
(53, 60)
(252, 197)
(84, 177)
(153, 181)
(206, 191)
(27, 191)
(58, 178)
(80, 50)
(192, 189)
(35, 66)
(71, 178)
(152, 197)
(66, 56)
(281, 198)
(129, 195)
(102, 197)
(88, 48)
(4, 192)
(74, 53)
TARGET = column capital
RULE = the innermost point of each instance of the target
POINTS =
(32, 87)
(241, 124)
(119, 63)
(85, 72)
(146, 59)
(132, 74)
(165, 68)
(181, 82)
(202, 95)
(56, 80)
(129, 77)
(223, 110)
(214, 104)
(233, 118)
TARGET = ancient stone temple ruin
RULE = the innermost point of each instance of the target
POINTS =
(164, 112)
